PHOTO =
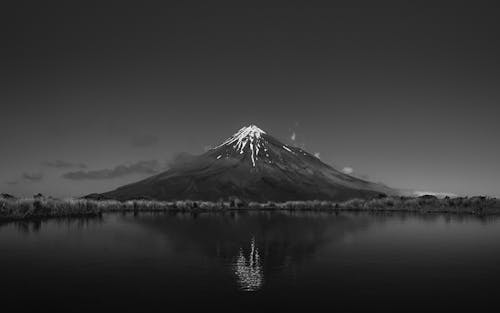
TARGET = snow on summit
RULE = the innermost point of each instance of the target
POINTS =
(251, 136)
(255, 142)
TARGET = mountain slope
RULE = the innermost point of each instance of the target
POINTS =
(252, 166)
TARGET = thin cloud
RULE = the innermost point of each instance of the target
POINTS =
(436, 194)
(293, 136)
(180, 159)
(141, 167)
(32, 177)
(64, 164)
(347, 170)
(144, 141)
(11, 183)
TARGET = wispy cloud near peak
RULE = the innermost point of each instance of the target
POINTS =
(32, 177)
(64, 164)
(347, 170)
(141, 167)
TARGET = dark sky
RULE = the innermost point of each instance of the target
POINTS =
(94, 96)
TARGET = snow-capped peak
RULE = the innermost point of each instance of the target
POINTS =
(249, 135)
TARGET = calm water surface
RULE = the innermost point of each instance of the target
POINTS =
(251, 261)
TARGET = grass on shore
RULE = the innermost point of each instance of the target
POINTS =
(42, 207)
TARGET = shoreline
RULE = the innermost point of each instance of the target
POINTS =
(14, 209)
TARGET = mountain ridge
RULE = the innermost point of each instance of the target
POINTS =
(253, 166)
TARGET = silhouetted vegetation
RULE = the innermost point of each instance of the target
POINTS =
(12, 208)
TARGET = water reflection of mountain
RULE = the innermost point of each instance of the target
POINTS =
(248, 270)
(255, 243)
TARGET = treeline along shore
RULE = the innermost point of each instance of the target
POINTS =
(39, 207)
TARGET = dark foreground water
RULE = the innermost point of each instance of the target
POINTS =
(251, 261)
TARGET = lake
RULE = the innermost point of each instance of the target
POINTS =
(251, 261)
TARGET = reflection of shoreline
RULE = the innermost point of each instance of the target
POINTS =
(249, 271)
(36, 225)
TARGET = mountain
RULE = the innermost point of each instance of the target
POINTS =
(253, 166)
